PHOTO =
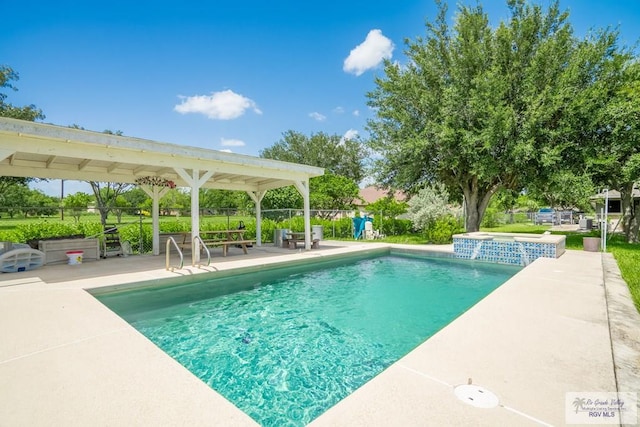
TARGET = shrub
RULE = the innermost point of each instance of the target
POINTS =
(174, 226)
(342, 228)
(45, 230)
(492, 217)
(396, 227)
(441, 230)
(428, 205)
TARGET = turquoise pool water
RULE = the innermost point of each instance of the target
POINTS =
(286, 346)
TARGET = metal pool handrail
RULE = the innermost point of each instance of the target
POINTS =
(197, 240)
(169, 240)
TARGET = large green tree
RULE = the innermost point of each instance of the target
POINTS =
(336, 154)
(224, 199)
(136, 197)
(331, 192)
(106, 196)
(13, 199)
(282, 198)
(480, 108)
(344, 163)
(328, 192)
(614, 159)
(28, 112)
(77, 203)
(39, 203)
(565, 190)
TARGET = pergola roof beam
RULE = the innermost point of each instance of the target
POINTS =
(32, 149)
(83, 164)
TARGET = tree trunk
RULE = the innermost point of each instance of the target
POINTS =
(104, 214)
(629, 213)
(476, 201)
(634, 234)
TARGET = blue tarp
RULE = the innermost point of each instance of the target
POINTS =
(359, 226)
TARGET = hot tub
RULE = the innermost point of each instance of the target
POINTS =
(508, 248)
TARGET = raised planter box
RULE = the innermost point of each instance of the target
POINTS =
(56, 250)
(591, 244)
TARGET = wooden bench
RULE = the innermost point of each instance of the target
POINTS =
(182, 240)
(293, 243)
(226, 243)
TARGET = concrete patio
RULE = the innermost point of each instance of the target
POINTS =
(560, 325)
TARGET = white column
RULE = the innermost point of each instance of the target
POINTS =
(195, 181)
(257, 196)
(156, 193)
(303, 189)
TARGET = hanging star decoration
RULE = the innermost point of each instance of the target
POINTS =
(156, 181)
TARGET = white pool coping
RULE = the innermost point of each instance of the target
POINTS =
(65, 359)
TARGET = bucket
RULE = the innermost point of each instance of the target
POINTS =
(75, 257)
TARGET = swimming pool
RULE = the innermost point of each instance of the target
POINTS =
(285, 345)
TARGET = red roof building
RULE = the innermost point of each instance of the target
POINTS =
(371, 194)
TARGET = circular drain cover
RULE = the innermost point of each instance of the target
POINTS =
(476, 396)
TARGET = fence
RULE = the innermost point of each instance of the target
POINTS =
(337, 224)
(134, 224)
(28, 224)
(494, 219)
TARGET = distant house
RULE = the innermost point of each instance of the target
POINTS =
(372, 194)
(614, 206)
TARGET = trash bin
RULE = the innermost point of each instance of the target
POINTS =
(279, 237)
(591, 244)
(75, 257)
(585, 224)
(316, 232)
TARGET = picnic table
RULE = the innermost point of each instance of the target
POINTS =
(224, 238)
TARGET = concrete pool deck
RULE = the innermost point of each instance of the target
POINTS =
(65, 359)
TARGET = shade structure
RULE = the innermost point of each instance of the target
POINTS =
(29, 149)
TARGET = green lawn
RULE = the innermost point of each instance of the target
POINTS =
(628, 258)
(518, 228)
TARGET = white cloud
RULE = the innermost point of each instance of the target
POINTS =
(231, 142)
(338, 110)
(348, 135)
(226, 150)
(225, 105)
(368, 54)
(317, 116)
(356, 113)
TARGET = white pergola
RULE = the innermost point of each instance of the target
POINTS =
(29, 149)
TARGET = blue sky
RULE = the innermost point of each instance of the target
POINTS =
(225, 75)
